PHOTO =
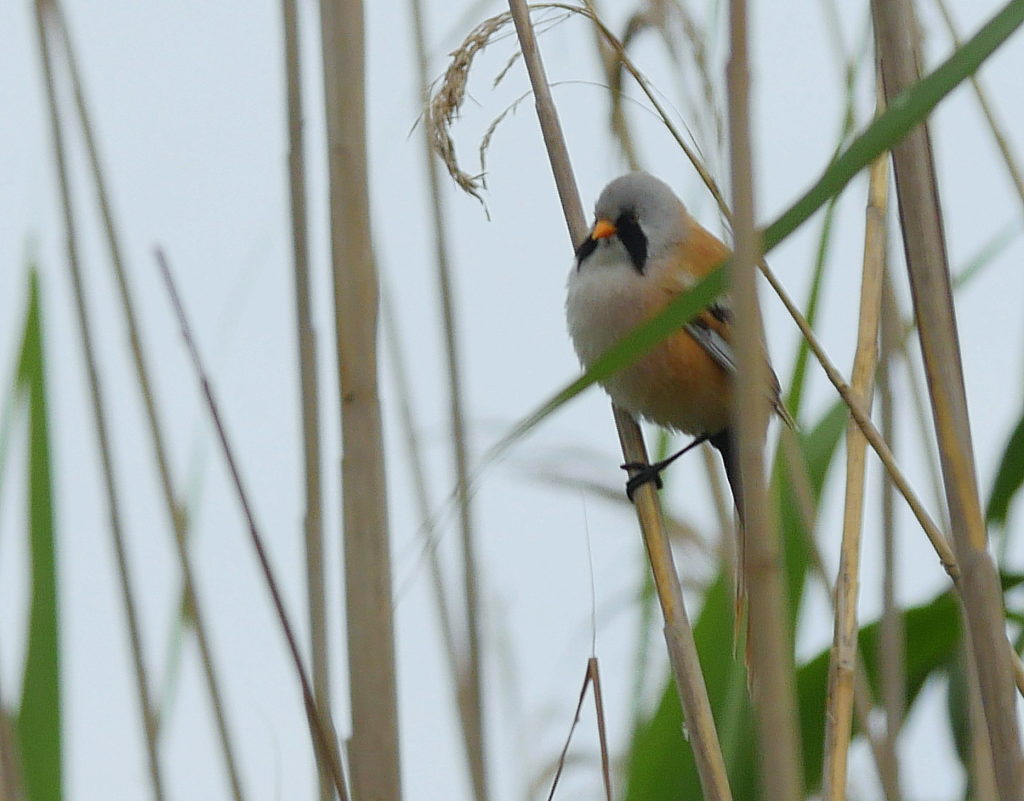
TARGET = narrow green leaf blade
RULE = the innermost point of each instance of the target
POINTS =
(39, 715)
(1009, 477)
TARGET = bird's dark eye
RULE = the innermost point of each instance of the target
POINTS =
(633, 238)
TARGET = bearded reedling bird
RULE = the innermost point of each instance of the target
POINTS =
(642, 252)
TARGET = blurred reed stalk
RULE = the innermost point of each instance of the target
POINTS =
(892, 636)
(928, 267)
(467, 673)
(769, 639)
(985, 104)
(882, 751)
(373, 749)
(47, 20)
(843, 658)
(320, 733)
(678, 633)
(175, 509)
(308, 384)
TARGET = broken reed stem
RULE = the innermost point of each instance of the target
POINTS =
(323, 743)
(678, 633)
(769, 638)
(175, 509)
(843, 657)
(96, 392)
(309, 392)
(928, 267)
(467, 677)
(374, 755)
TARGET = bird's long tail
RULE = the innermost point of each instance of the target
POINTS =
(724, 443)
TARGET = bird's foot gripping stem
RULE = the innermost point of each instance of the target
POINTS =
(644, 473)
(652, 472)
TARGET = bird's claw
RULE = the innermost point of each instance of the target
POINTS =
(644, 474)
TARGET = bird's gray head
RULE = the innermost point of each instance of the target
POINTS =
(639, 213)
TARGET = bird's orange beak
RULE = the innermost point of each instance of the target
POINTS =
(603, 229)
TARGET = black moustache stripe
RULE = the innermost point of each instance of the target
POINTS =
(633, 239)
(587, 246)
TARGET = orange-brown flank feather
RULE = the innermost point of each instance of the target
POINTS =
(677, 384)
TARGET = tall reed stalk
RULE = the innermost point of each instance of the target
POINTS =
(928, 268)
(769, 639)
(373, 749)
(678, 632)
(308, 383)
(843, 659)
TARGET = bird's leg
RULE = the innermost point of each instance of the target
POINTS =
(652, 472)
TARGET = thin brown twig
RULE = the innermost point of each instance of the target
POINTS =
(172, 504)
(678, 633)
(96, 392)
(323, 742)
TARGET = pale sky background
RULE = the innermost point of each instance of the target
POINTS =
(188, 102)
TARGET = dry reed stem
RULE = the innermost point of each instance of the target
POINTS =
(309, 392)
(374, 755)
(882, 751)
(928, 267)
(321, 735)
(172, 504)
(96, 392)
(769, 638)
(678, 633)
(843, 657)
(467, 677)
(980, 764)
(891, 637)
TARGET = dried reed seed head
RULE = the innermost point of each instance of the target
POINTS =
(445, 103)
